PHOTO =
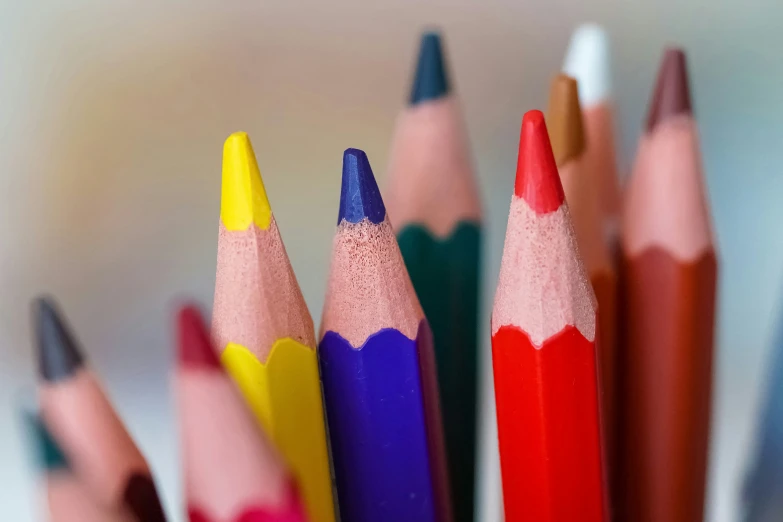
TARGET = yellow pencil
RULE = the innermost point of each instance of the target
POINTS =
(262, 326)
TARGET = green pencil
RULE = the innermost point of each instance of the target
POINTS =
(434, 206)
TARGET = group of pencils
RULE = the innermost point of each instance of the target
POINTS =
(602, 334)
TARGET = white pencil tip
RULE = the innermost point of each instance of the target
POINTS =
(588, 61)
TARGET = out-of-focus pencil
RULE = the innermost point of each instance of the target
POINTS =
(262, 326)
(544, 354)
(81, 419)
(763, 492)
(378, 369)
(67, 500)
(232, 472)
(434, 207)
(589, 61)
(669, 286)
(564, 121)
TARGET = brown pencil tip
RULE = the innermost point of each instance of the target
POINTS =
(564, 120)
(671, 95)
(195, 347)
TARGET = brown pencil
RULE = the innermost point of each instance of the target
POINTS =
(232, 472)
(564, 120)
(65, 497)
(80, 417)
(669, 271)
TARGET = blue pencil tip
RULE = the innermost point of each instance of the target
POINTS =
(431, 81)
(359, 196)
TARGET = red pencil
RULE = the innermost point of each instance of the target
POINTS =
(544, 352)
(232, 472)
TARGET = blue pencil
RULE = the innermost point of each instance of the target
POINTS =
(378, 369)
(763, 493)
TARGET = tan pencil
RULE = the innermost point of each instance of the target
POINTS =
(669, 293)
(566, 130)
(81, 419)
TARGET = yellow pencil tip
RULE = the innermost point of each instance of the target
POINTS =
(244, 198)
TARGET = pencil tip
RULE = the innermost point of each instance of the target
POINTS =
(58, 352)
(431, 80)
(49, 455)
(564, 120)
(588, 60)
(243, 199)
(537, 180)
(195, 347)
(672, 94)
(359, 196)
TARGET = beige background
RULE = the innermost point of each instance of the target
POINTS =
(113, 119)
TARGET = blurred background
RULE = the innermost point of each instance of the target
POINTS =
(114, 114)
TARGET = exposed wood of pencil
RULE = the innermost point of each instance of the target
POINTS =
(264, 330)
(564, 120)
(66, 499)
(544, 352)
(232, 472)
(434, 206)
(378, 369)
(669, 293)
(81, 419)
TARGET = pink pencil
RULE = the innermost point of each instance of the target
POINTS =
(232, 473)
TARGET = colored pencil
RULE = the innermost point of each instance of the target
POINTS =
(378, 369)
(588, 61)
(434, 206)
(232, 472)
(564, 121)
(669, 284)
(80, 417)
(66, 498)
(544, 352)
(262, 326)
(762, 497)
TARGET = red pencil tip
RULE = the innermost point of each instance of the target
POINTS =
(538, 181)
(195, 347)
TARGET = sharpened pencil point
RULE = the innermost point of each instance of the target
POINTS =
(672, 95)
(48, 452)
(243, 199)
(195, 347)
(537, 181)
(431, 81)
(58, 352)
(564, 120)
(588, 60)
(359, 196)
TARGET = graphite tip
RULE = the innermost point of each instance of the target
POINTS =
(671, 96)
(431, 80)
(58, 351)
(564, 120)
(243, 199)
(359, 196)
(588, 60)
(537, 180)
(195, 347)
